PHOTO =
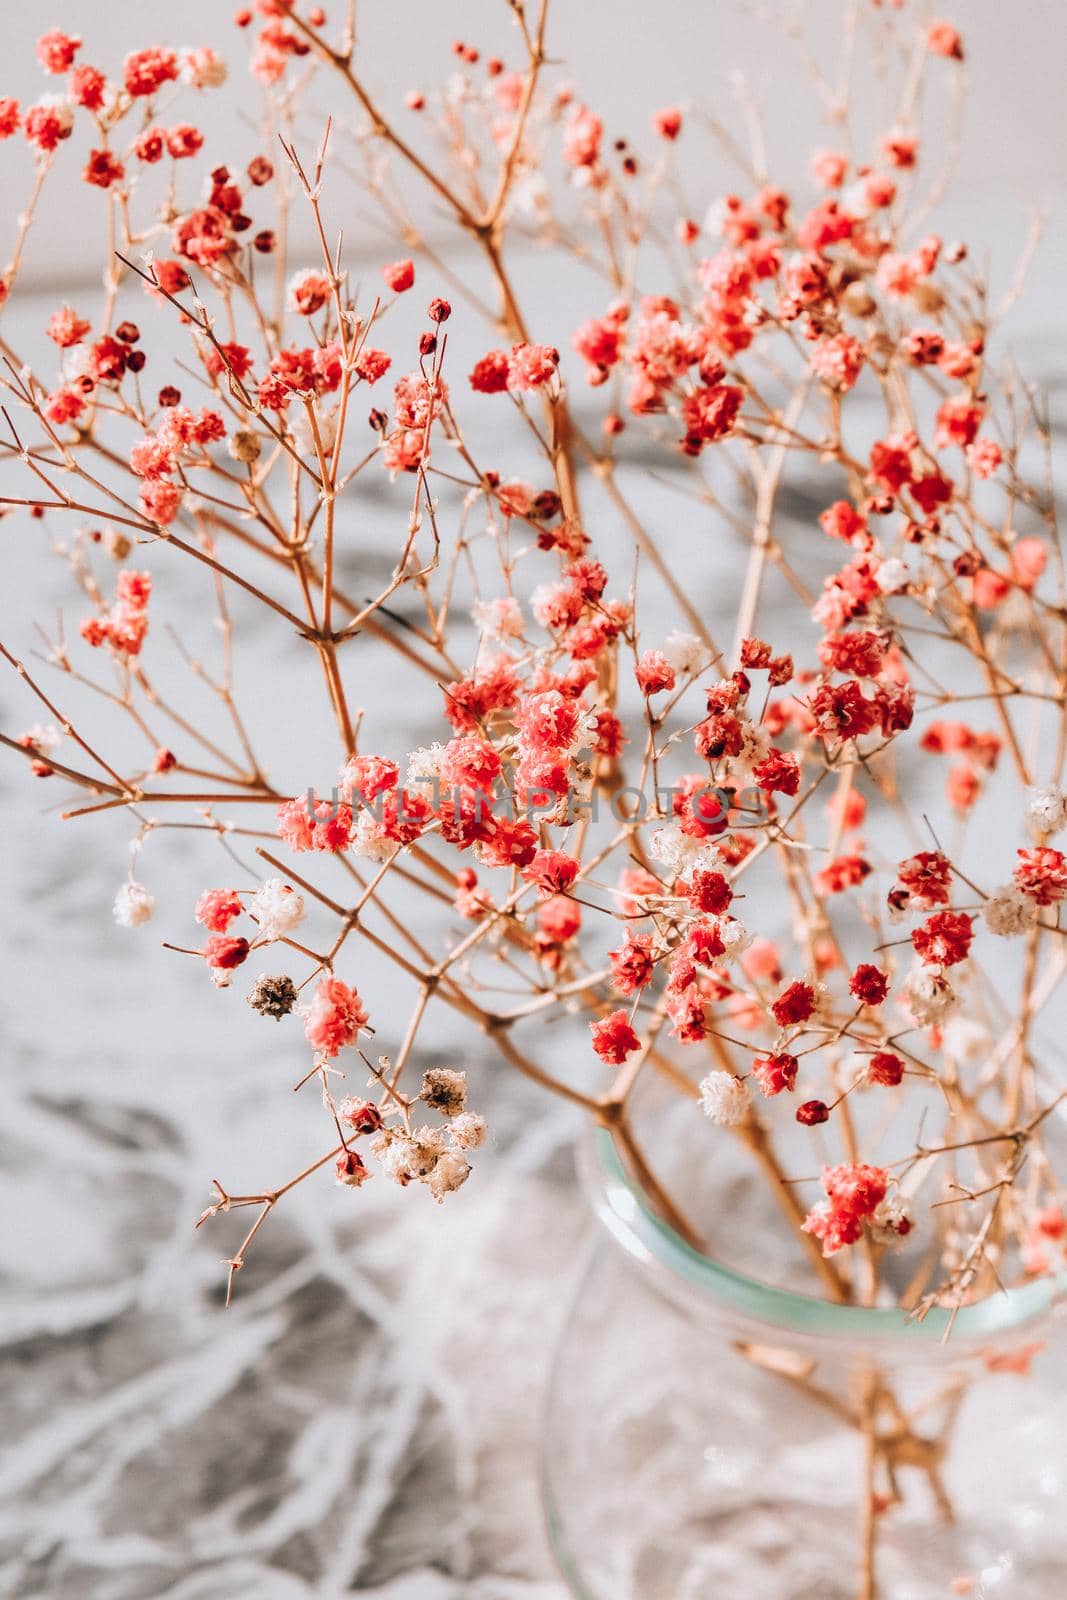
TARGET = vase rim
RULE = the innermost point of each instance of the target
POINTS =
(623, 1209)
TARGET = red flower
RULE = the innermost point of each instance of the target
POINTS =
(775, 1073)
(868, 984)
(654, 673)
(224, 953)
(812, 1112)
(843, 873)
(613, 1038)
(708, 892)
(145, 71)
(552, 871)
(1042, 874)
(795, 1004)
(399, 275)
(777, 773)
(885, 1068)
(944, 939)
(490, 374)
(632, 965)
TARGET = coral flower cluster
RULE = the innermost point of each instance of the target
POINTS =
(799, 868)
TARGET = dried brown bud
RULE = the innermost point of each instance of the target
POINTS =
(273, 997)
(858, 301)
(444, 1091)
(928, 297)
(244, 446)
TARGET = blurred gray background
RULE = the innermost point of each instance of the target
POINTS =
(364, 1419)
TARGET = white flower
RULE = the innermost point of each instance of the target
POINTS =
(892, 576)
(370, 840)
(277, 908)
(1008, 912)
(303, 435)
(202, 68)
(499, 619)
(891, 1222)
(404, 1158)
(46, 738)
(755, 742)
(1046, 809)
(734, 935)
(928, 995)
(685, 652)
(450, 1171)
(424, 763)
(724, 1099)
(467, 1131)
(715, 219)
(133, 905)
(678, 851)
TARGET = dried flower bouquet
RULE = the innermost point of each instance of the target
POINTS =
(614, 813)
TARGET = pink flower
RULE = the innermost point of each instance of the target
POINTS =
(310, 823)
(308, 292)
(632, 965)
(47, 122)
(531, 366)
(582, 135)
(775, 1074)
(553, 871)
(56, 51)
(828, 168)
(853, 1193)
(217, 908)
(145, 71)
(335, 1017)
(223, 952)
(399, 275)
(838, 361)
(66, 328)
(161, 501)
(943, 40)
(1042, 874)
(654, 673)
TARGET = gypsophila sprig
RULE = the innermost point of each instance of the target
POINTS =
(760, 868)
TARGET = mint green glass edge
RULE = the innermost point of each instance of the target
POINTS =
(626, 1213)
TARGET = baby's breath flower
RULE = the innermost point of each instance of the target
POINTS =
(1046, 809)
(1008, 912)
(724, 1099)
(928, 994)
(134, 905)
(444, 1090)
(273, 997)
(449, 1172)
(277, 908)
(467, 1131)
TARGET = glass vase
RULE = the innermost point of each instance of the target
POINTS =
(709, 1437)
